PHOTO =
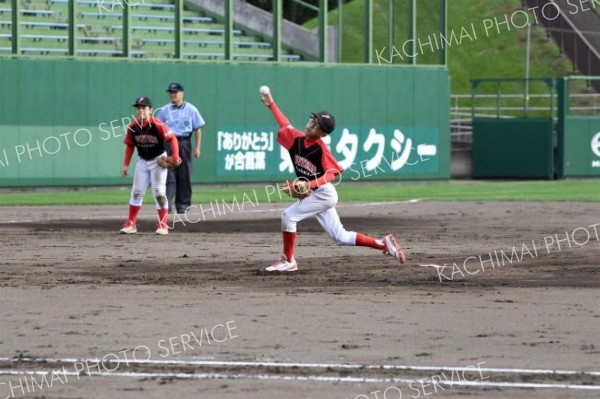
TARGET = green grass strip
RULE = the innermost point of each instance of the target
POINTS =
(571, 190)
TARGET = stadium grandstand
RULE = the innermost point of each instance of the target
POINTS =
(102, 28)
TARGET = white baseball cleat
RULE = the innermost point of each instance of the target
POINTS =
(129, 227)
(162, 229)
(393, 249)
(282, 265)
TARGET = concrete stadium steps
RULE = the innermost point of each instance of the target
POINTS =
(52, 41)
(195, 49)
(99, 33)
(5, 41)
(198, 41)
(147, 17)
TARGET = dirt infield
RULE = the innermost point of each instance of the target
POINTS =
(349, 323)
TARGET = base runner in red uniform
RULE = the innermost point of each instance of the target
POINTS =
(315, 169)
(148, 135)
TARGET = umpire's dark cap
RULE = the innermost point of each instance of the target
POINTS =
(143, 101)
(174, 88)
(325, 120)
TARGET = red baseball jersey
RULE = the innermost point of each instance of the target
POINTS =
(149, 138)
(311, 158)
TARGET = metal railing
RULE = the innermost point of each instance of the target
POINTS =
(462, 114)
(462, 105)
(522, 104)
(577, 103)
(126, 13)
(322, 11)
(461, 109)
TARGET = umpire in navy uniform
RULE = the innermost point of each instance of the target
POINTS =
(184, 120)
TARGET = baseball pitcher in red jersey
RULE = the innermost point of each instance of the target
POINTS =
(315, 169)
(148, 135)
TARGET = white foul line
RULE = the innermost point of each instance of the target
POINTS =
(204, 376)
(301, 365)
(481, 384)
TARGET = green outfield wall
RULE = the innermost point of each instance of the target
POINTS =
(63, 120)
(513, 148)
(581, 146)
(578, 136)
(540, 147)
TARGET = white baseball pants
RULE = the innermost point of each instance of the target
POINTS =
(321, 204)
(149, 173)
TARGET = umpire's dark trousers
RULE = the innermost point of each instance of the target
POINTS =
(179, 179)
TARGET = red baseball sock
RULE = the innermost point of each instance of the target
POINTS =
(288, 244)
(133, 212)
(366, 241)
(162, 216)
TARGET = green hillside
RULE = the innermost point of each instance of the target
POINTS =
(492, 55)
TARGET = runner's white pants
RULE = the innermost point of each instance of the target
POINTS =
(321, 204)
(149, 173)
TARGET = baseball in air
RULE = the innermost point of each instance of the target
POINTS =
(264, 90)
